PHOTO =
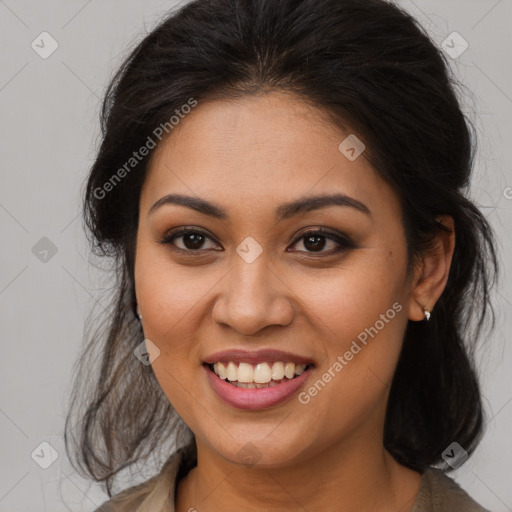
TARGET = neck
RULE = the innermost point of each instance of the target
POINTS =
(360, 477)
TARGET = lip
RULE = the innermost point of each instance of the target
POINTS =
(257, 398)
(256, 356)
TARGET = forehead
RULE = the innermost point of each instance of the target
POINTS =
(260, 150)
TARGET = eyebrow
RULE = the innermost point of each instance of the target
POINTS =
(284, 211)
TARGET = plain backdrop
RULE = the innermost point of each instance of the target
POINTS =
(49, 134)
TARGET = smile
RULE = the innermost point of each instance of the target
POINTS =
(259, 375)
(253, 395)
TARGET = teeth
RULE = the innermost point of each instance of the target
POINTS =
(220, 370)
(245, 373)
(253, 385)
(260, 375)
(289, 370)
(232, 372)
(300, 368)
(277, 370)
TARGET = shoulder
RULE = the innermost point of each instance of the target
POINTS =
(130, 499)
(114, 504)
(439, 493)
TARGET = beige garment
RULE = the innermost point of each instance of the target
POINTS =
(437, 493)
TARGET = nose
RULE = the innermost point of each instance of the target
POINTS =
(254, 297)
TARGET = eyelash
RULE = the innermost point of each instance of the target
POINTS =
(344, 242)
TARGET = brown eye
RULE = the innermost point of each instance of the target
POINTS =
(191, 240)
(316, 241)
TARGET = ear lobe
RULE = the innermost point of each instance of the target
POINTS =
(432, 274)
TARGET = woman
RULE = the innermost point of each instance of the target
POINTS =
(281, 188)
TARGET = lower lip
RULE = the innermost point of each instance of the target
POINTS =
(256, 398)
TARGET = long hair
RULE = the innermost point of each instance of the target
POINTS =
(373, 69)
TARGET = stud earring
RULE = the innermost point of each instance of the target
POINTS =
(427, 314)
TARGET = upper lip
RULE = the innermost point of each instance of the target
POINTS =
(256, 356)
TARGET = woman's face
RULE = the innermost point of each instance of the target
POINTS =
(250, 281)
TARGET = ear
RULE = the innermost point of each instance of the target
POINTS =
(431, 274)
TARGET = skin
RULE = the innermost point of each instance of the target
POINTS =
(249, 156)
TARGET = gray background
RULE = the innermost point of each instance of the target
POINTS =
(49, 134)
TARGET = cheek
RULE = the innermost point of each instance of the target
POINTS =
(169, 293)
(360, 316)
(351, 298)
(171, 300)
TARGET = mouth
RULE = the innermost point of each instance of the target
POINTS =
(265, 374)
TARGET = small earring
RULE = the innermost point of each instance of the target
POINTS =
(427, 314)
